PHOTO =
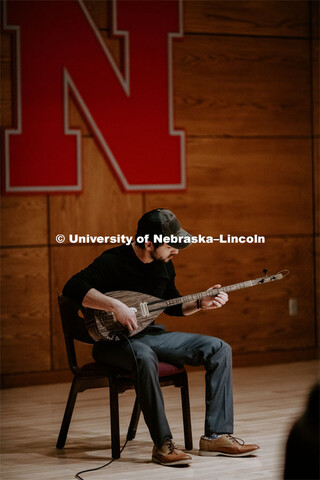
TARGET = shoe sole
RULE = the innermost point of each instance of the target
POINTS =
(170, 464)
(216, 454)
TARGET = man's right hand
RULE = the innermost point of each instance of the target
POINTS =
(125, 316)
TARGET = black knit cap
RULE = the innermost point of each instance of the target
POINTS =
(163, 222)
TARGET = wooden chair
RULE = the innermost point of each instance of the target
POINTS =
(97, 375)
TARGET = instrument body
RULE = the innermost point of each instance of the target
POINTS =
(103, 325)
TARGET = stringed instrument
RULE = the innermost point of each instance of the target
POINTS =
(103, 325)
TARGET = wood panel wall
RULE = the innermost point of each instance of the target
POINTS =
(246, 93)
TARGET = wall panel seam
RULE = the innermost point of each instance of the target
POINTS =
(245, 35)
(311, 72)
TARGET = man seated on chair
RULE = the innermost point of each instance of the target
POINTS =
(147, 267)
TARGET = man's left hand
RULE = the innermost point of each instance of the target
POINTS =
(215, 301)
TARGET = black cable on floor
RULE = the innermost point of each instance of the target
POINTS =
(102, 466)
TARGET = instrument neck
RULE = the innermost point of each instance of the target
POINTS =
(215, 291)
(208, 293)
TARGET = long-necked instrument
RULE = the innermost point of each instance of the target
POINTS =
(103, 325)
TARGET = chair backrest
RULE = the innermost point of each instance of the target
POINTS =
(74, 328)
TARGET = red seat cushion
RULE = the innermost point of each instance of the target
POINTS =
(166, 369)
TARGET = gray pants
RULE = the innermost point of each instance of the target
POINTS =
(153, 345)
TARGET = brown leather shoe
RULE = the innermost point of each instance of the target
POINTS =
(169, 455)
(226, 445)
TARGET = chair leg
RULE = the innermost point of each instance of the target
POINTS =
(186, 412)
(114, 419)
(132, 430)
(67, 415)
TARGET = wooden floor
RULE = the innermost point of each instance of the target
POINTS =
(267, 400)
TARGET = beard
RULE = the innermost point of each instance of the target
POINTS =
(157, 258)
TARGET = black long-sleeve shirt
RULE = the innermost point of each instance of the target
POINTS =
(119, 268)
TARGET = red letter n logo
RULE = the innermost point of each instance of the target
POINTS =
(59, 52)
